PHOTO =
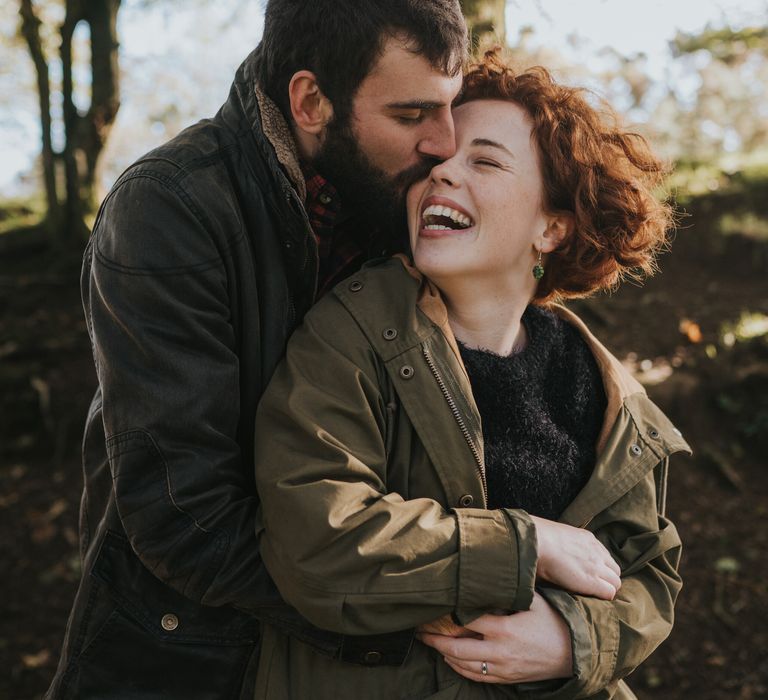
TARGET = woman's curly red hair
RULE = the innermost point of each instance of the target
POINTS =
(603, 175)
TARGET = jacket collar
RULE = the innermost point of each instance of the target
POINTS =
(272, 133)
(617, 381)
(280, 137)
(636, 435)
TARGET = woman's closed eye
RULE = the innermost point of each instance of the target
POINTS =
(485, 161)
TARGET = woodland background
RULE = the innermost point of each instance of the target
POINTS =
(696, 334)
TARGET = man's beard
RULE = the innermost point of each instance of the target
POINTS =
(362, 186)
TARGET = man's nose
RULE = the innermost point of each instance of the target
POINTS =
(440, 141)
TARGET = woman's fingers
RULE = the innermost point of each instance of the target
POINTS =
(606, 585)
(614, 579)
(574, 559)
(603, 590)
(475, 674)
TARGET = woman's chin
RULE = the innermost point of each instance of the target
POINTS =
(438, 267)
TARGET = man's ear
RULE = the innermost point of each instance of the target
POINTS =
(310, 108)
(559, 227)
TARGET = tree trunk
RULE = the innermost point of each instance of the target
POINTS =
(86, 134)
(105, 101)
(30, 29)
(73, 210)
(486, 22)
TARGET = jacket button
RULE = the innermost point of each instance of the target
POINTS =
(355, 286)
(390, 333)
(635, 449)
(169, 622)
(373, 658)
(654, 433)
(466, 500)
(677, 432)
(406, 372)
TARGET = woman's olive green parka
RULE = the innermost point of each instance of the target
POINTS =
(370, 471)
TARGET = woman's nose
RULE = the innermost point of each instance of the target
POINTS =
(444, 173)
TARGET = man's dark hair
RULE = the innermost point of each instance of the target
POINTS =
(340, 41)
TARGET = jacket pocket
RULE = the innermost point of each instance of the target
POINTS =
(122, 662)
(164, 613)
(150, 641)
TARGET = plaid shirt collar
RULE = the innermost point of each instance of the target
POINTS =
(339, 248)
(323, 203)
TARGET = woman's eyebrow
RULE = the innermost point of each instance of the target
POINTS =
(493, 144)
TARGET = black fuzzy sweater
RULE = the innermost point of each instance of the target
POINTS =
(542, 410)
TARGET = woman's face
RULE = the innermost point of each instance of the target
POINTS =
(479, 213)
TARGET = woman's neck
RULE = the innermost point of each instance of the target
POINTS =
(487, 317)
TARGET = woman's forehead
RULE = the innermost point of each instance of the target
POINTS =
(492, 120)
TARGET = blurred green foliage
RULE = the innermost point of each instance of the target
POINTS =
(19, 213)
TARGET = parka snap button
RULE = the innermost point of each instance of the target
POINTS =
(466, 500)
(169, 622)
(373, 658)
(635, 449)
(355, 286)
(406, 372)
(677, 432)
(390, 333)
(654, 433)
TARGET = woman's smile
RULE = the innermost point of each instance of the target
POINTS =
(441, 216)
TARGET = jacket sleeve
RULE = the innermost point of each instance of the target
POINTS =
(349, 555)
(156, 300)
(612, 638)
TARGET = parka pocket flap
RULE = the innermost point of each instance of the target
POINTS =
(160, 610)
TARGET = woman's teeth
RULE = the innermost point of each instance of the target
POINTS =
(437, 217)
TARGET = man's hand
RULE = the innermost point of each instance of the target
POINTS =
(534, 645)
(447, 627)
(573, 558)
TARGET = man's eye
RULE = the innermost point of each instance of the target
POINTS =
(482, 161)
(412, 117)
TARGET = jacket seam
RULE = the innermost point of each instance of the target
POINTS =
(174, 187)
(221, 538)
(514, 536)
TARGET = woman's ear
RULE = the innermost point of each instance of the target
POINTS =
(559, 227)
(310, 108)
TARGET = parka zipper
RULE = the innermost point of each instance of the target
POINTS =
(459, 421)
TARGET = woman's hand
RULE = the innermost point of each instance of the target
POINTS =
(534, 645)
(573, 558)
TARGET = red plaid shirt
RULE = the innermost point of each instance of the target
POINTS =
(339, 246)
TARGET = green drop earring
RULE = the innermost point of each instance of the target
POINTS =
(538, 269)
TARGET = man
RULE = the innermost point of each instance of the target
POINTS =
(204, 257)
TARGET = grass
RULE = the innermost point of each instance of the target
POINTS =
(20, 213)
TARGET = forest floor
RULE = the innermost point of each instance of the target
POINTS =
(695, 335)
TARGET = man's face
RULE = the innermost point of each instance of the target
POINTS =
(400, 124)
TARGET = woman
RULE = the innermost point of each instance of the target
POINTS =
(428, 427)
